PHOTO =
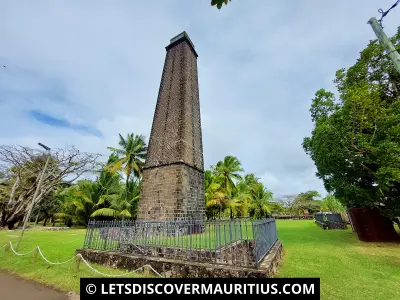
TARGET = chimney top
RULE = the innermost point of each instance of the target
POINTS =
(183, 36)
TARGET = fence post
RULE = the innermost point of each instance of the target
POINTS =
(146, 271)
(230, 231)
(255, 244)
(91, 232)
(35, 254)
(191, 236)
(106, 235)
(77, 263)
(86, 234)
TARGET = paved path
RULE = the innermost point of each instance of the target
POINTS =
(15, 288)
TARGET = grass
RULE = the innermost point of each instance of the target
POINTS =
(56, 246)
(348, 268)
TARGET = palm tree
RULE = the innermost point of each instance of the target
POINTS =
(214, 195)
(227, 171)
(243, 200)
(243, 195)
(118, 205)
(260, 206)
(131, 156)
(90, 198)
(78, 202)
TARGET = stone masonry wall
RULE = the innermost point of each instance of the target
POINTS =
(176, 130)
(173, 183)
(193, 193)
(183, 268)
(237, 254)
(172, 192)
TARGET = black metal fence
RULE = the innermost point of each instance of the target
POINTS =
(241, 242)
(330, 220)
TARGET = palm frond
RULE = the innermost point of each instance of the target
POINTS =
(211, 203)
(105, 212)
(116, 166)
(104, 198)
(116, 150)
(125, 213)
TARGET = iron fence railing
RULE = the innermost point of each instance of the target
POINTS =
(265, 236)
(329, 220)
(242, 242)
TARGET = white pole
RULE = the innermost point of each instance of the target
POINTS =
(386, 43)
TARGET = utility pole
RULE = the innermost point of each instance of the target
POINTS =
(35, 194)
(386, 43)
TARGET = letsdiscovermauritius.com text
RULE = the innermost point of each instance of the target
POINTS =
(204, 289)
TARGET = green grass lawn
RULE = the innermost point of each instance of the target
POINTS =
(348, 268)
(56, 246)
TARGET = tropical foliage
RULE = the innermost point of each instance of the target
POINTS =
(330, 203)
(109, 196)
(219, 3)
(231, 194)
(355, 144)
(114, 192)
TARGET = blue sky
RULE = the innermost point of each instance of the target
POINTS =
(80, 72)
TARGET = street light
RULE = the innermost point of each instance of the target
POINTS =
(35, 194)
(44, 146)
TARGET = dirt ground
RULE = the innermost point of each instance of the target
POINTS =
(15, 288)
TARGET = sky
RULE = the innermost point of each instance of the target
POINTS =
(81, 72)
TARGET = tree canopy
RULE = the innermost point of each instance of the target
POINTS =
(219, 3)
(23, 167)
(355, 143)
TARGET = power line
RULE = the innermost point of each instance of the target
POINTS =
(385, 13)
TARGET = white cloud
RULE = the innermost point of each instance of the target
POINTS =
(99, 63)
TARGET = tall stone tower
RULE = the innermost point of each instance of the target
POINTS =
(173, 175)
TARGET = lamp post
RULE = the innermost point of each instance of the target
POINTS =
(35, 194)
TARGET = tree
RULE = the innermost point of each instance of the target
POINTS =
(277, 208)
(355, 144)
(219, 3)
(260, 207)
(106, 189)
(307, 202)
(229, 194)
(287, 202)
(25, 165)
(243, 194)
(48, 208)
(4, 184)
(214, 196)
(79, 202)
(104, 198)
(227, 172)
(120, 206)
(131, 156)
(330, 203)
